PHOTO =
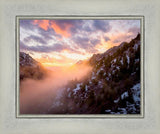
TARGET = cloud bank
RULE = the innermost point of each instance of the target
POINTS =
(74, 36)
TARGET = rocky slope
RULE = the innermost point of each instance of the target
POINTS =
(30, 68)
(112, 87)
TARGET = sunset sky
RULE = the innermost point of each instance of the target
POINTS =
(65, 42)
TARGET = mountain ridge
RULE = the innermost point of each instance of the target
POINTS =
(30, 68)
(112, 87)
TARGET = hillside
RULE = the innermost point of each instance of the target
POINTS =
(30, 68)
(112, 87)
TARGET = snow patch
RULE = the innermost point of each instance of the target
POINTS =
(118, 67)
(135, 47)
(109, 74)
(121, 61)
(122, 110)
(133, 73)
(107, 78)
(124, 95)
(136, 60)
(101, 69)
(136, 92)
(108, 110)
(86, 88)
(77, 88)
(93, 77)
(128, 59)
(114, 60)
(113, 72)
(116, 101)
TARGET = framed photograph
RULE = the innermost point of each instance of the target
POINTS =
(79, 67)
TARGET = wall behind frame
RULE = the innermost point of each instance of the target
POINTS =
(10, 124)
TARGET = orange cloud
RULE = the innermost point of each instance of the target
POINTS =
(122, 37)
(44, 24)
(64, 32)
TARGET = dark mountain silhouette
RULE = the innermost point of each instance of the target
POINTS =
(112, 87)
(30, 68)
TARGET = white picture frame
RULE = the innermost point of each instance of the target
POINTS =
(10, 124)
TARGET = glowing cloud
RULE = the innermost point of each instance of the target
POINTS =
(64, 32)
(44, 24)
(64, 42)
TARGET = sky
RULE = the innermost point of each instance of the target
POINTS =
(65, 42)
